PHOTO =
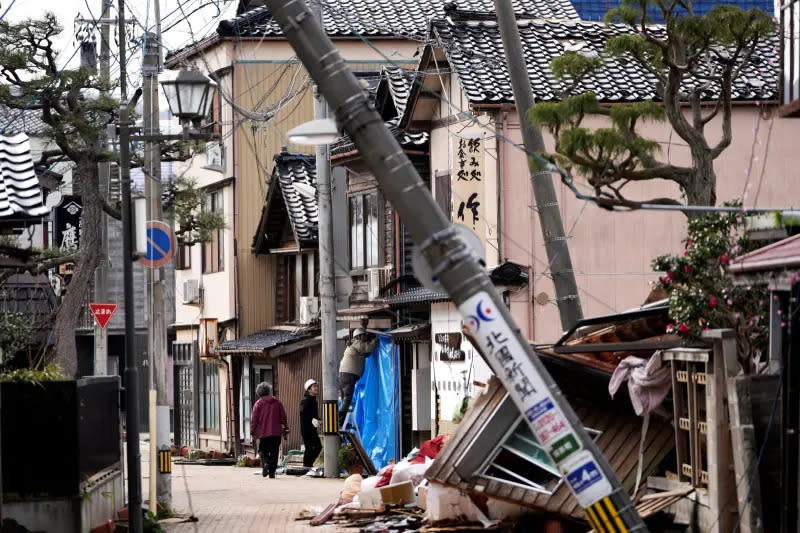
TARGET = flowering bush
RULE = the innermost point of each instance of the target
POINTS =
(702, 296)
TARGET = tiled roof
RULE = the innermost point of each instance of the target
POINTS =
(388, 17)
(264, 340)
(27, 121)
(397, 82)
(303, 211)
(415, 295)
(475, 52)
(19, 188)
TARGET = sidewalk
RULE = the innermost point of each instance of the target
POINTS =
(227, 498)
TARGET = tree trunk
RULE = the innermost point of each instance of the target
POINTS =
(702, 188)
(86, 180)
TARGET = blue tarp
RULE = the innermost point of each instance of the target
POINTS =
(376, 404)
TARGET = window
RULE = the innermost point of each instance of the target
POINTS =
(183, 260)
(364, 231)
(209, 397)
(521, 460)
(214, 250)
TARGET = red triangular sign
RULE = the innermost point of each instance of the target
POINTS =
(103, 313)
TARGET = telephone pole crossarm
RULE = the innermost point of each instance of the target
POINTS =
(536, 395)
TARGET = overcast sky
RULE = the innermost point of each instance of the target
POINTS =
(203, 21)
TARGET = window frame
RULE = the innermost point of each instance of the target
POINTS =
(183, 257)
(213, 252)
(209, 398)
(361, 196)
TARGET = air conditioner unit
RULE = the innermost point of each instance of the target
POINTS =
(309, 308)
(191, 292)
(376, 279)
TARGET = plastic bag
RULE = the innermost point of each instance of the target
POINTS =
(352, 486)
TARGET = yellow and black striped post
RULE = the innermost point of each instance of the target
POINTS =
(604, 517)
(165, 462)
(330, 417)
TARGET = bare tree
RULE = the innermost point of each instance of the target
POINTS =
(693, 61)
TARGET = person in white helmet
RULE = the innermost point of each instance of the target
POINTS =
(352, 366)
(309, 422)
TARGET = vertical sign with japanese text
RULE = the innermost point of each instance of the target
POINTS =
(467, 185)
(67, 226)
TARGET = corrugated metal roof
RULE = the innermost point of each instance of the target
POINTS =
(415, 295)
(20, 193)
(776, 256)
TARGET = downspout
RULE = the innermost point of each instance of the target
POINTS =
(500, 169)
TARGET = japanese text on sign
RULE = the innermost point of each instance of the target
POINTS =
(549, 424)
(467, 184)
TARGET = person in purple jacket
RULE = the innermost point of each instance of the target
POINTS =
(268, 424)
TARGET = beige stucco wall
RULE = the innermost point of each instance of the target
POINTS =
(612, 252)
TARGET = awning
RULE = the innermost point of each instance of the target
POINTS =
(412, 332)
(265, 340)
(357, 313)
(417, 295)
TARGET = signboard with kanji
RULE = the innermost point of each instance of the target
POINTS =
(467, 185)
(67, 224)
(102, 313)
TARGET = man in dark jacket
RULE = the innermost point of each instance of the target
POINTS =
(309, 422)
(352, 366)
(267, 424)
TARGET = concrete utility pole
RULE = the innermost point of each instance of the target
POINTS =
(555, 242)
(536, 395)
(160, 483)
(131, 360)
(101, 274)
(327, 276)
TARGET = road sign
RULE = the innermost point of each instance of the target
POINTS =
(160, 244)
(103, 313)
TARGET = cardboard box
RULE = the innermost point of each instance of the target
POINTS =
(422, 497)
(397, 494)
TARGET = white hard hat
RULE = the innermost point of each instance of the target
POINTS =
(309, 383)
(359, 331)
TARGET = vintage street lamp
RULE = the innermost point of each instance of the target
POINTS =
(189, 95)
(315, 132)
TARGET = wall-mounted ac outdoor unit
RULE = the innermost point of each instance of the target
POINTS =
(376, 279)
(191, 292)
(309, 309)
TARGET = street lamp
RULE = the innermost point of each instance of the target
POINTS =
(189, 95)
(315, 132)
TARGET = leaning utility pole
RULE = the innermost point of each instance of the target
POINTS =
(536, 395)
(544, 194)
(160, 482)
(327, 291)
(131, 378)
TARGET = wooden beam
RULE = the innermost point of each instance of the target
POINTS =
(293, 347)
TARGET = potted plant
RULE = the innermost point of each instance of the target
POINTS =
(349, 460)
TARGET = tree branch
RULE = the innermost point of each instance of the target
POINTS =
(727, 134)
(111, 211)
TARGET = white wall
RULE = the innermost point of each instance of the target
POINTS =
(447, 376)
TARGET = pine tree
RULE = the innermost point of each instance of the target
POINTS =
(695, 60)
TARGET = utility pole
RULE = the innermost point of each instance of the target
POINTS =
(131, 378)
(544, 194)
(160, 483)
(101, 274)
(327, 291)
(536, 395)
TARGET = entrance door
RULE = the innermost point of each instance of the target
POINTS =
(184, 394)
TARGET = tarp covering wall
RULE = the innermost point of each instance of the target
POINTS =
(376, 404)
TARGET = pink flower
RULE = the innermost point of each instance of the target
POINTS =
(670, 327)
(684, 253)
(687, 268)
(667, 278)
(723, 259)
(689, 243)
(730, 302)
(713, 301)
(683, 328)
